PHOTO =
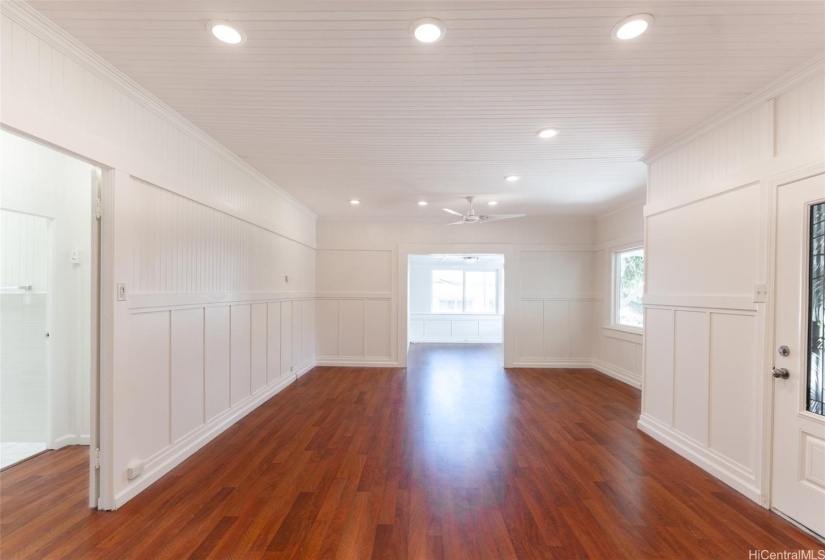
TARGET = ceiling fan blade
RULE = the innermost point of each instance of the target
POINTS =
(461, 223)
(452, 212)
(494, 217)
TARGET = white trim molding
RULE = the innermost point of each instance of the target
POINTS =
(732, 474)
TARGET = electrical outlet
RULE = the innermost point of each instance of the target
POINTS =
(760, 293)
(135, 470)
(74, 256)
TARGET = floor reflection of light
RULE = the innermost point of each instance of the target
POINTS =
(459, 403)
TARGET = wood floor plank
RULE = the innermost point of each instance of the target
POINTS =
(453, 457)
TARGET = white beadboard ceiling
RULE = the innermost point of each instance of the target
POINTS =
(335, 100)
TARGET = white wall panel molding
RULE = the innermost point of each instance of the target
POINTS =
(139, 303)
(553, 296)
(796, 77)
(731, 473)
(170, 457)
(700, 301)
(354, 295)
(623, 334)
(440, 327)
(79, 103)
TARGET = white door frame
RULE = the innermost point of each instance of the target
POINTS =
(510, 289)
(766, 359)
(100, 464)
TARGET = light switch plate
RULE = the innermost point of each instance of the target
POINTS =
(121, 292)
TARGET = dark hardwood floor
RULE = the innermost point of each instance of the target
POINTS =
(453, 458)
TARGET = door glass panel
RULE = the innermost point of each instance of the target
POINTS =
(816, 313)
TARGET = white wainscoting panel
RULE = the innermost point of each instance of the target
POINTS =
(240, 347)
(658, 388)
(273, 341)
(216, 347)
(441, 327)
(258, 346)
(377, 328)
(286, 337)
(690, 374)
(143, 397)
(188, 398)
(351, 327)
(733, 379)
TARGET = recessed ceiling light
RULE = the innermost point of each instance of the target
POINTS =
(512, 178)
(355, 201)
(631, 27)
(422, 202)
(428, 30)
(547, 132)
(226, 33)
(492, 203)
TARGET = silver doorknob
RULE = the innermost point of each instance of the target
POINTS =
(781, 373)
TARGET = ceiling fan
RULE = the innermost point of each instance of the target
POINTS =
(472, 218)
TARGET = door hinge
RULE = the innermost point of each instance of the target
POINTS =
(97, 458)
(98, 208)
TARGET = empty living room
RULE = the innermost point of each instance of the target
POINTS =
(405, 279)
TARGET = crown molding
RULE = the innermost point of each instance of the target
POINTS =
(25, 15)
(792, 79)
(639, 201)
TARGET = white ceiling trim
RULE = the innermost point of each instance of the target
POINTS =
(792, 79)
(36, 22)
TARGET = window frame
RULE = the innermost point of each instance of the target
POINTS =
(464, 272)
(615, 288)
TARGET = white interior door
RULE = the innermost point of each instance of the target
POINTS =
(798, 488)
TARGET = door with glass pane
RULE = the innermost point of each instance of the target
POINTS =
(798, 488)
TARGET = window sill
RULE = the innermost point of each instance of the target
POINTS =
(628, 334)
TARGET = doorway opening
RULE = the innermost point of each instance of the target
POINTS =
(456, 299)
(48, 300)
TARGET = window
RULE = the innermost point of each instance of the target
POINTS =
(465, 291)
(628, 278)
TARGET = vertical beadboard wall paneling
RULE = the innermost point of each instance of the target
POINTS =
(708, 223)
(214, 256)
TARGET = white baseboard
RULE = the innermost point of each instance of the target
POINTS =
(581, 363)
(355, 362)
(456, 341)
(172, 456)
(70, 439)
(618, 373)
(734, 475)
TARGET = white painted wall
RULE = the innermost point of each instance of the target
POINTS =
(549, 298)
(204, 244)
(46, 198)
(708, 224)
(616, 351)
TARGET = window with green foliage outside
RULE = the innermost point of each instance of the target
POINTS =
(629, 288)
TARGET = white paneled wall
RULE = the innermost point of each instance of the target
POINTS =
(553, 299)
(434, 327)
(212, 318)
(616, 352)
(218, 262)
(707, 229)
